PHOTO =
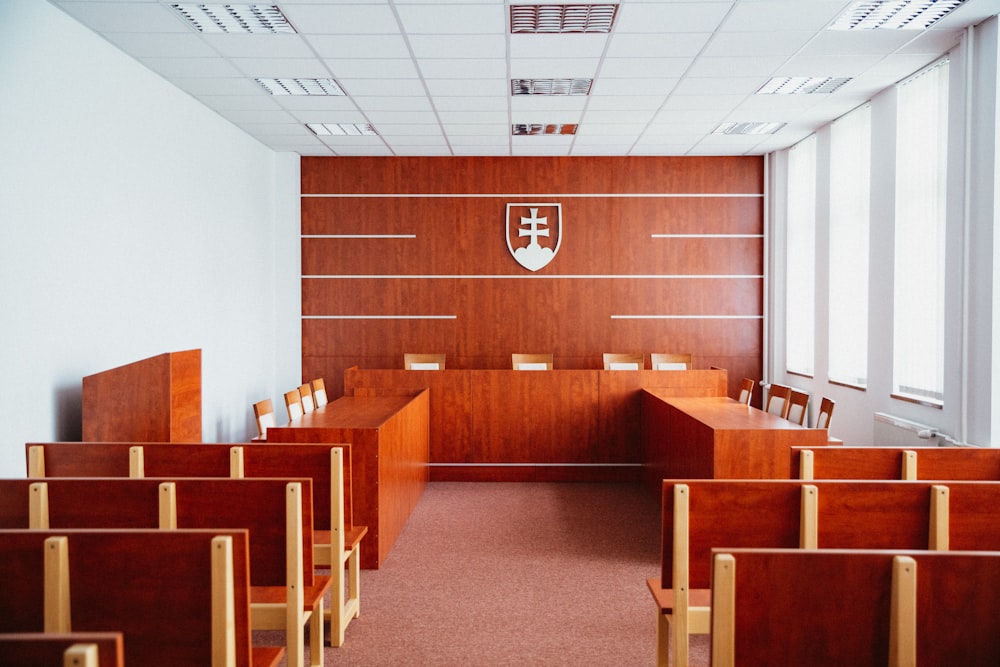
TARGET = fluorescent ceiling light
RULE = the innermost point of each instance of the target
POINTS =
(562, 18)
(551, 86)
(542, 128)
(342, 129)
(894, 14)
(234, 18)
(748, 128)
(802, 85)
(301, 86)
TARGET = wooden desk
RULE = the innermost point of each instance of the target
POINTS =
(389, 437)
(507, 425)
(716, 437)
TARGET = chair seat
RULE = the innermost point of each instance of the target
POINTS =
(323, 544)
(664, 597)
(267, 656)
(274, 595)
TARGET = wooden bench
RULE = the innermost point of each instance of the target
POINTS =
(337, 539)
(900, 463)
(286, 593)
(70, 649)
(859, 608)
(178, 597)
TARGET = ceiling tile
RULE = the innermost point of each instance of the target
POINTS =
(453, 19)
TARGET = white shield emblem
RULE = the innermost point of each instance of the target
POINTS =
(534, 233)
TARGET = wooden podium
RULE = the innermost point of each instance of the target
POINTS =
(153, 400)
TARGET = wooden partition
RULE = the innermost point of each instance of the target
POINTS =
(410, 254)
(152, 400)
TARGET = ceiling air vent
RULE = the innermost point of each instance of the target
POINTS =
(342, 129)
(234, 18)
(802, 85)
(748, 128)
(551, 86)
(894, 14)
(562, 18)
(540, 128)
(301, 86)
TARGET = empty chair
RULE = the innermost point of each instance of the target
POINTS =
(825, 413)
(746, 391)
(293, 403)
(798, 402)
(531, 362)
(263, 412)
(414, 361)
(623, 361)
(777, 400)
(670, 362)
(319, 393)
(306, 397)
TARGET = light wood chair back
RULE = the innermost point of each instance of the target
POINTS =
(797, 408)
(293, 404)
(531, 362)
(614, 361)
(319, 393)
(777, 400)
(263, 412)
(825, 413)
(670, 362)
(306, 397)
(746, 391)
(417, 361)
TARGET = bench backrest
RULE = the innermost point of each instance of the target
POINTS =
(178, 597)
(818, 607)
(916, 463)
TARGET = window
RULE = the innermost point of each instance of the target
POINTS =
(850, 188)
(919, 267)
(800, 252)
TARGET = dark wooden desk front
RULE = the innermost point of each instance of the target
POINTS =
(507, 425)
(718, 437)
(389, 438)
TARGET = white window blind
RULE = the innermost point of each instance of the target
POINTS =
(850, 189)
(800, 253)
(919, 261)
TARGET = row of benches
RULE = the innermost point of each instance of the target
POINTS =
(703, 519)
(75, 486)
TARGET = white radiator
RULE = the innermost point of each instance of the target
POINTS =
(893, 431)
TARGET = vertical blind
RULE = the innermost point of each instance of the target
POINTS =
(919, 257)
(800, 252)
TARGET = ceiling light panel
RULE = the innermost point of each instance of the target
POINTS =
(551, 86)
(894, 14)
(802, 85)
(301, 86)
(233, 18)
(748, 128)
(526, 129)
(342, 129)
(562, 18)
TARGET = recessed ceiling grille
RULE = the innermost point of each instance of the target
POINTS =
(894, 14)
(301, 86)
(551, 86)
(342, 129)
(234, 18)
(541, 128)
(802, 85)
(748, 128)
(562, 18)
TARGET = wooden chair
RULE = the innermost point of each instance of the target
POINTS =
(416, 361)
(79, 649)
(306, 397)
(293, 403)
(623, 361)
(777, 400)
(531, 362)
(825, 413)
(319, 393)
(746, 391)
(670, 362)
(796, 407)
(263, 412)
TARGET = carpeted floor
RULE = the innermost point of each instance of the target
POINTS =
(495, 574)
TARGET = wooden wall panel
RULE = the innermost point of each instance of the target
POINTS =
(410, 255)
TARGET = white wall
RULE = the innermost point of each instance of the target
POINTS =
(133, 221)
(970, 331)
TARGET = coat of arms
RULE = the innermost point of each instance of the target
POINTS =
(541, 226)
